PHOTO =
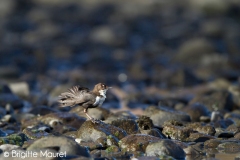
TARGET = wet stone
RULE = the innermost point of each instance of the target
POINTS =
(15, 139)
(59, 119)
(199, 137)
(209, 130)
(165, 147)
(212, 143)
(37, 131)
(20, 88)
(112, 149)
(237, 136)
(92, 145)
(196, 110)
(2, 133)
(177, 132)
(195, 149)
(9, 118)
(224, 123)
(225, 134)
(30, 122)
(161, 114)
(155, 157)
(62, 144)
(11, 99)
(205, 119)
(174, 122)
(136, 142)
(153, 132)
(120, 115)
(215, 101)
(235, 91)
(192, 51)
(229, 147)
(233, 128)
(92, 131)
(71, 134)
(97, 113)
(145, 123)
(115, 155)
(8, 147)
(100, 143)
(129, 125)
(183, 78)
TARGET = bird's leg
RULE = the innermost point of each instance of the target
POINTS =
(91, 118)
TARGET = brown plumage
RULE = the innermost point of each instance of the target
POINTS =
(82, 96)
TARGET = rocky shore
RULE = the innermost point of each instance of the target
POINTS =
(174, 68)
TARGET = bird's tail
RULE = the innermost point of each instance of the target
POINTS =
(65, 101)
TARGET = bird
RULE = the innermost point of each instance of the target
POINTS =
(82, 96)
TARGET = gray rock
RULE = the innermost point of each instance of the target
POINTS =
(224, 123)
(161, 114)
(60, 119)
(145, 123)
(212, 143)
(37, 132)
(120, 115)
(91, 132)
(225, 134)
(235, 91)
(183, 78)
(177, 132)
(233, 128)
(165, 147)
(9, 118)
(195, 149)
(229, 147)
(137, 142)
(12, 100)
(97, 113)
(191, 51)
(62, 143)
(129, 125)
(20, 88)
(209, 130)
(8, 147)
(2, 134)
(199, 137)
(196, 110)
(215, 101)
(153, 132)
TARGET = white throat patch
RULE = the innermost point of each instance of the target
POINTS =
(103, 92)
(100, 99)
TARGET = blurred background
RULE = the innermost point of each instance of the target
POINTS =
(133, 45)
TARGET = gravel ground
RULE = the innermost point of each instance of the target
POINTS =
(174, 68)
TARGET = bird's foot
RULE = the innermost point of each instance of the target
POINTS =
(96, 121)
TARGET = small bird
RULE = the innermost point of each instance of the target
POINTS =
(82, 96)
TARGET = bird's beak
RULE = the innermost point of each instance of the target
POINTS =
(109, 87)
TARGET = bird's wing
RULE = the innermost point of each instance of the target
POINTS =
(75, 95)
